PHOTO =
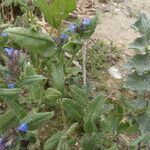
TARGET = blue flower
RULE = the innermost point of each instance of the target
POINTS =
(23, 127)
(72, 27)
(9, 51)
(2, 143)
(64, 36)
(86, 21)
(11, 85)
(4, 34)
(2, 140)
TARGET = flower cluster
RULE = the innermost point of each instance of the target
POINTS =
(4, 34)
(10, 85)
(79, 28)
(8, 51)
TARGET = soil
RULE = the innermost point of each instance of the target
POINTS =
(116, 18)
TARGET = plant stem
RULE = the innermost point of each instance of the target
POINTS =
(84, 52)
(63, 114)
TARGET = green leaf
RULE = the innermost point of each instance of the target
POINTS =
(58, 76)
(31, 78)
(8, 120)
(112, 122)
(89, 30)
(10, 92)
(90, 126)
(144, 122)
(138, 105)
(73, 45)
(32, 40)
(95, 108)
(11, 100)
(79, 95)
(62, 145)
(35, 120)
(89, 141)
(139, 44)
(138, 83)
(56, 11)
(140, 63)
(142, 25)
(52, 95)
(52, 142)
(113, 147)
(92, 112)
(28, 70)
(73, 109)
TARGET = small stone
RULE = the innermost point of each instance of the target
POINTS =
(113, 71)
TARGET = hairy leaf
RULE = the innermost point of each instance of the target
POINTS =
(15, 106)
(52, 95)
(31, 78)
(79, 95)
(142, 25)
(89, 30)
(140, 63)
(89, 141)
(29, 39)
(73, 109)
(58, 76)
(52, 142)
(138, 83)
(35, 120)
(8, 120)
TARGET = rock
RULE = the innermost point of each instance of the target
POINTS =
(114, 72)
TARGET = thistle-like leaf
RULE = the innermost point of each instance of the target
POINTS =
(142, 25)
(140, 63)
(138, 83)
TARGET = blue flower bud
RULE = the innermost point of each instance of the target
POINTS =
(86, 21)
(23, 127)
(64, 36)
(72, 27)
(9, 51)
(10, 85)
(4, 34)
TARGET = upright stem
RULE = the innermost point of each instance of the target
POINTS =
(63, 114)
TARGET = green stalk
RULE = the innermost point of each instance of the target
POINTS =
(63, 114)
(61, 59)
